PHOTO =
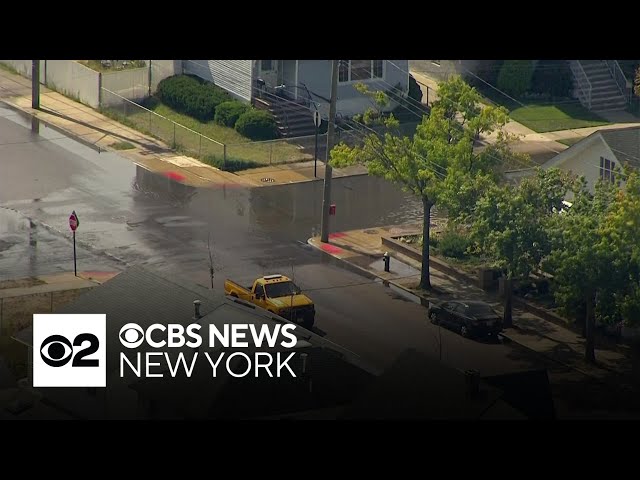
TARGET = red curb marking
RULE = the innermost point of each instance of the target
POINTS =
(174, 176)
(337, 235)
(330, 248)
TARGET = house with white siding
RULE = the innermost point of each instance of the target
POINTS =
(597, 156)
(292, 89)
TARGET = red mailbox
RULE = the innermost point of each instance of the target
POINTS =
(332, 209)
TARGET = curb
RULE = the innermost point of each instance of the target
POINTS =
(373, 276)
(425, 302)
(52, 126)
(560, 362)
(92, 146)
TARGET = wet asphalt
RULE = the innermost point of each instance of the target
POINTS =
(129, 216)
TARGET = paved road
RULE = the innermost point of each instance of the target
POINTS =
(137, 217)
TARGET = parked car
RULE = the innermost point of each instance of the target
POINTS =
(470, 318)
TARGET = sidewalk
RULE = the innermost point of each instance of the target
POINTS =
(363, 250)
(100, 132)
(53, 283)
(541, 146)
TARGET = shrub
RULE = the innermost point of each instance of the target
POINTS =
(453, 243)
(227, 113)
(553, 78)
(415, 92)
(257, 125)
(192, 96)
(515, 77)
(231, 164)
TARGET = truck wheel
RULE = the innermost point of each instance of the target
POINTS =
(308, 323)
(234, 295)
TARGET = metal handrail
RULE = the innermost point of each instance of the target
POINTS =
(620, 79)
(582, 78)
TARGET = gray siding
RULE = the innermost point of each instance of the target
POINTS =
(235, 76)
(316, 74)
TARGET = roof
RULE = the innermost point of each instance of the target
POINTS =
(337, 376)
(140, 296)
(275, 278)
(529, 392)
(623, 142)
(330, 381)
(417, 386)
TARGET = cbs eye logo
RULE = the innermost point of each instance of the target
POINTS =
(131, 335)
(69, 350)
(57, 351)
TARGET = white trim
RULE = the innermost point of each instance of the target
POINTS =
(366, 80)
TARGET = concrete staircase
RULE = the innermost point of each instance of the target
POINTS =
(293, 120)
(605, 93)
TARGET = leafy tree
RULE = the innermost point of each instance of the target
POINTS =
(636, 87)
(579, 260)
(510, 225)
(441, 148)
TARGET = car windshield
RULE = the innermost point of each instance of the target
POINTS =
(282, 289)
(479, 309)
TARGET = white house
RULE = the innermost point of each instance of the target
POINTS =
(597, 156)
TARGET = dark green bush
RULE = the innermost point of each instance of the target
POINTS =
(257, 125)
(191, 96)
(552, 78)
(515, 77)
(231, 164)
(453, 243)
(227, 113)
(415, 92)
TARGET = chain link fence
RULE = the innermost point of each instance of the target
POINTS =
(229, 156)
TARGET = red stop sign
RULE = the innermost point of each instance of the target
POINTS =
(73, 221)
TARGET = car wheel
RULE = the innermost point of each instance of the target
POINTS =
(464, 331)
(434, 318)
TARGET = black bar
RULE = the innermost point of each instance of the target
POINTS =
(75, 270)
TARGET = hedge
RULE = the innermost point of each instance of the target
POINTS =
(231, 164)
(192, 96)
(515, 77)
(227, 113)
(257, 125)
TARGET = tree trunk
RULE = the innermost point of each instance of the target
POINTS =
(589, 352)
(507, 318)
(425, 281)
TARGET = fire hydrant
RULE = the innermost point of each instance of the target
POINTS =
(387, 260)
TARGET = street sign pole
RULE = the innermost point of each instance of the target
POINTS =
(315, 157)
(75, 268)
(316, 121)
(73, 224)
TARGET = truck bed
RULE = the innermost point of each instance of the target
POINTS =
(245, 290)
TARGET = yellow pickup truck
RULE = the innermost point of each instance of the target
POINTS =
(277, 294)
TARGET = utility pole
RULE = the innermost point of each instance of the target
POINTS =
(35, 84)
(328, 171)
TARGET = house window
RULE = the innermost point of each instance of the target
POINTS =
(360, 70)
(266, 65)
(607, 169)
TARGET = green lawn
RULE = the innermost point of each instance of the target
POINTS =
(549, 118)
(239, 148)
